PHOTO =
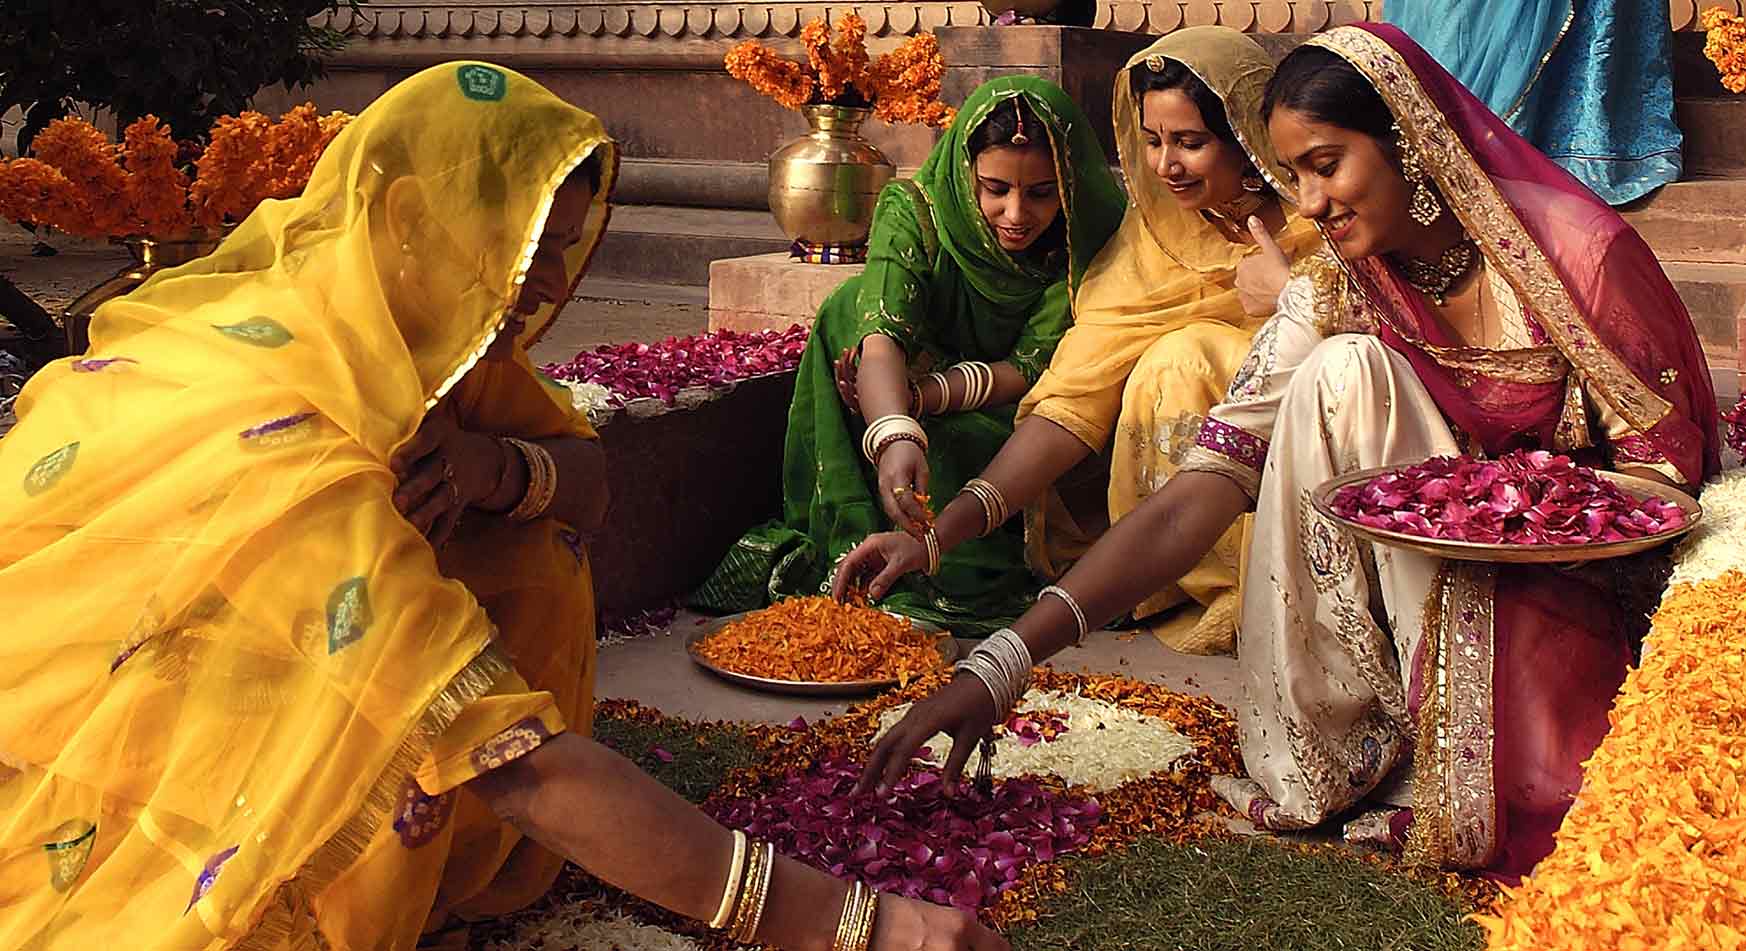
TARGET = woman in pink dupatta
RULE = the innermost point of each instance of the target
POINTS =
(1539, 321)
(1475, 298)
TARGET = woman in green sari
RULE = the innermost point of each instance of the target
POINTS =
(969, 284)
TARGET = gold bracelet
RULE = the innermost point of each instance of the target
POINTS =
(932, 540)
(730, 893)
(850, 920)
(748, 889)
(542, 480)
(864, 935)
(752, 901)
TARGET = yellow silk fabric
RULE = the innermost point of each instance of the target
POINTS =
(1158, 330)
(227, 651)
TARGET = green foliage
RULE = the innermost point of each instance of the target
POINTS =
(185, 61)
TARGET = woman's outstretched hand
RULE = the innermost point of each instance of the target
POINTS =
(962, 709)
(877, 564)
(905, 924)
(903, 474)
(1261, 276)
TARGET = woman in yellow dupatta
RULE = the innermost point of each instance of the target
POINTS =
(301, 622)
(1162, 323)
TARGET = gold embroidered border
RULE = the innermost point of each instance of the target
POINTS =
(1454, 788)
(1467, 761)
(284, 906)
(1202, 459)
(1557, 41)
(1491, 221)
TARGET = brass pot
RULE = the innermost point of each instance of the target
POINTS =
(824, 184)
(150, 255)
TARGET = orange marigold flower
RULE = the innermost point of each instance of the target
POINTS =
(849, 52)
(787, 83)
(157, 189)
(88, 160)
(225, 187)
(1725, 45)
(35, 191)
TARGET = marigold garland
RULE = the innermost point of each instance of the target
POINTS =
(901, 86)
(81, 183)
(1725, 45)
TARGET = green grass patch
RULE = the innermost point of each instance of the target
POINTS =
(701, 754)
(1244, 894)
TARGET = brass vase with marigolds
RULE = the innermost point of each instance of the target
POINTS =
(823, 185)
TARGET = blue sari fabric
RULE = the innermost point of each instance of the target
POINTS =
(1589, 82)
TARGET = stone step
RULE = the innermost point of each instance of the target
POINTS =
(664, 244)
(1715, 294)
(1694, 221)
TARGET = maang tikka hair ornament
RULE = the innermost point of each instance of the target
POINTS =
(1425, 207)
(1019, 137)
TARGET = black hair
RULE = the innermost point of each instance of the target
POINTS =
(1142, 80)
(588, 171)
(1004, 122)
(1322, 85)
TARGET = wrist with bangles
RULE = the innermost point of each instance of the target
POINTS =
(747, 891)
(542, 479)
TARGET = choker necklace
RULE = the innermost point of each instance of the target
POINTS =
(1435, 279)
(1237, 210)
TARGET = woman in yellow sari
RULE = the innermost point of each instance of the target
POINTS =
(1161, 324)
(301, 643)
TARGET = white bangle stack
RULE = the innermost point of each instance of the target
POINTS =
(1003, 664)
(978, 382)
(1073, 605)
(994, 511)
(888, 429)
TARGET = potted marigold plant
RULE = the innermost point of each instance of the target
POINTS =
(823, 185)
(145, 192)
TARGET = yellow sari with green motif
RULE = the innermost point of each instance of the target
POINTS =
(240, 689)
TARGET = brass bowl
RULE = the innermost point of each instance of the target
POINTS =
(946, 643)
(1322, 499)
(824, 184)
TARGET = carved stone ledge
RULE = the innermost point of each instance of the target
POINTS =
(528, 28)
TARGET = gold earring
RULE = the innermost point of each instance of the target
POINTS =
(1425, 208)
(1253, 182)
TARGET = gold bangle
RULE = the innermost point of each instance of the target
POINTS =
(932, 540)
(849, 921)
(748, 890)
(864, 935)
(730, 893)
(542, 480)
(752, 901)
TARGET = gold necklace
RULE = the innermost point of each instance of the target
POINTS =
(1237, 210)
(1435, 279)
